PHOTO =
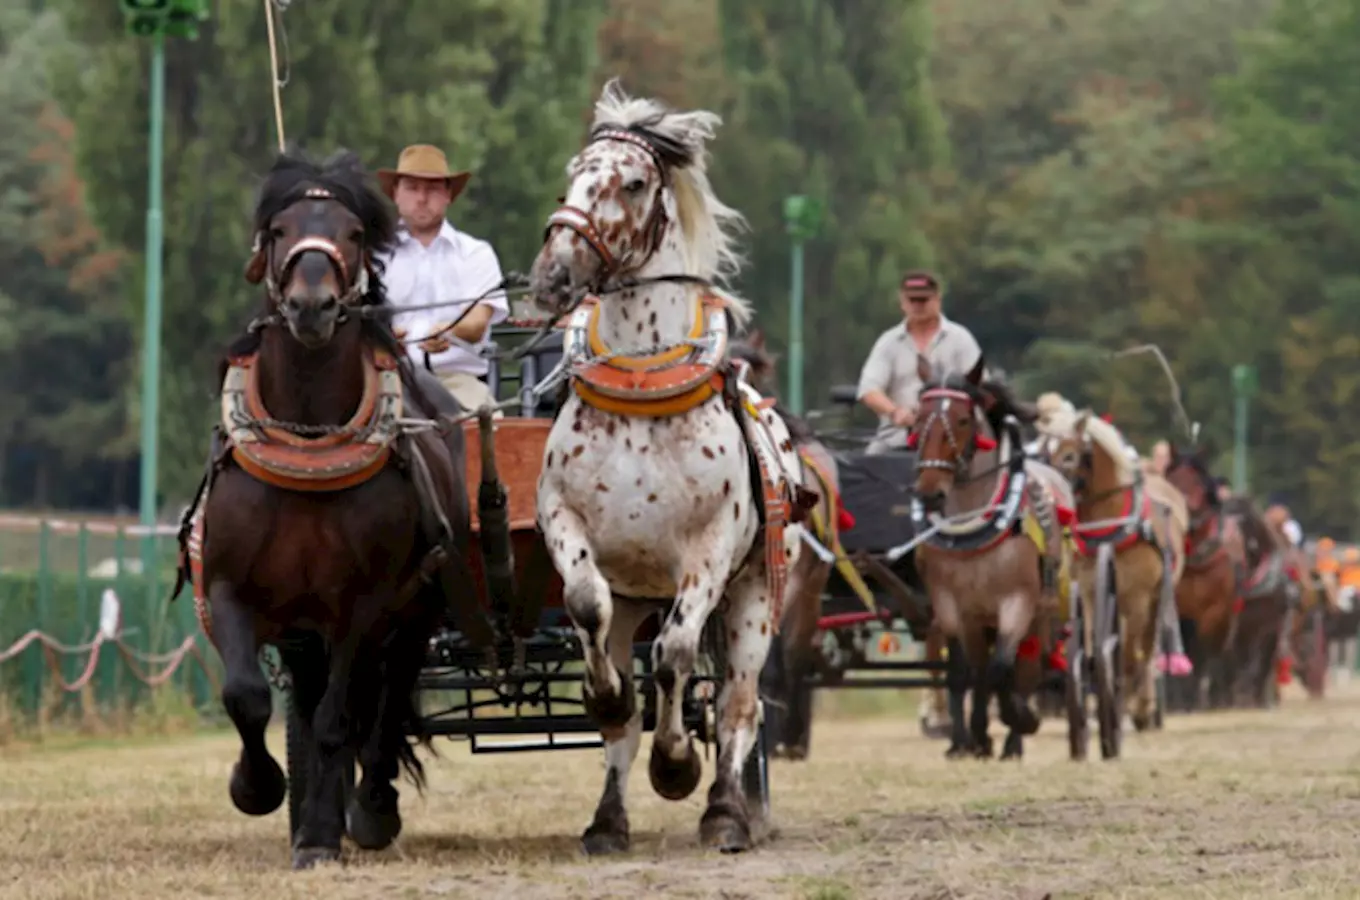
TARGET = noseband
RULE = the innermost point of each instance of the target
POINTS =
(353, 291)
(583, 223)
(960, 456)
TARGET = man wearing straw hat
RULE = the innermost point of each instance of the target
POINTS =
(435, 263)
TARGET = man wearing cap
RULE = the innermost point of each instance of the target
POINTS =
(888, 383)
(435, 263)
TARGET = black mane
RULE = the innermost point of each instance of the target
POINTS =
(1206, 479)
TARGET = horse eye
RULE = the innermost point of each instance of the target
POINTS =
(356, 235)
(635, 186)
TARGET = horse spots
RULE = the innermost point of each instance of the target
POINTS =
(656, 337)
(628, 445)
(638, 483)
(651, 498)
(602, 487)
(764, 628)
(554, 515)
(577, 426)
(736, 510)
(609, 427)
(722, 450)
(651, 320)
(787, 446)
(623, 311)
(633, 517)
(582, 555)
(639, 329)
(547, 463)
(727, 488)
(731, 673)
(578, 450)
(735, 635)
(708, 453)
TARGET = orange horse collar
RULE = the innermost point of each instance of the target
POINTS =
(355, 453)
(664, 383)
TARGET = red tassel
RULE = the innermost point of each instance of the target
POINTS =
(1284, 671)
(1107, 419)
(912, 440)
(1238, 605)
(1066, 516)
(1028, 649)
(1293, 573)
(844, 520)
(1057, 660)
(984, 443)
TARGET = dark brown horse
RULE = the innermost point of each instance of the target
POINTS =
(327, 527)
(1256, 635)
(793, 652)
(1215, 565)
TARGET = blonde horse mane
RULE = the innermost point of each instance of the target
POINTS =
(1059, 419)
(708, 224)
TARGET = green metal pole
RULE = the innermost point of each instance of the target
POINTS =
(796, 330)
(151, 329)
(1240, 444)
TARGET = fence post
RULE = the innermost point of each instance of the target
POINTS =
(41, 604)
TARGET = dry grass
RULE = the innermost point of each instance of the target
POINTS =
(1218, 806)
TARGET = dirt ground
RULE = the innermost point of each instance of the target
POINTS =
(1217, 806)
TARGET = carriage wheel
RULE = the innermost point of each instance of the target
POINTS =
(1108, 651)
(299, 765)
(1074, 682)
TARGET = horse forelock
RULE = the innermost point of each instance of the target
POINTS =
(707, 225)
(1107, 438)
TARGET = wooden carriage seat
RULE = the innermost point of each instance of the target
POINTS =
(519, 456)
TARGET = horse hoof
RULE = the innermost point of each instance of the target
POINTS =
(373, 827)
(983, 749)
(958, 751)
(796, 753)
(258, 794)
(602, 840)
(310, 857)
(1141, 721)
(935, 732)
(675, 779)
(1014, 748)
(724, 832)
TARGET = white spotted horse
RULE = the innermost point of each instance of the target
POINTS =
(667, 482)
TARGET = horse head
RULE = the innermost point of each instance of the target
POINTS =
(947, 434)
(317, 230)
(763, 362)
(638, 208)
(1189, 473)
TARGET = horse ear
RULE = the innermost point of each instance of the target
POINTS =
(922, 368)
(255, 267)
(975, 374)
(756, 340)
(1080, 425)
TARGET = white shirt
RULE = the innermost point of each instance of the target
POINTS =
(1293, 532)
(456, 266)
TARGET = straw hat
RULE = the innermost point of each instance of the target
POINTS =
(423, 161)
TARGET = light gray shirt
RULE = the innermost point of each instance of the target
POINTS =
(891, 368)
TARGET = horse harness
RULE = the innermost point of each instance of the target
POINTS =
(313, 458)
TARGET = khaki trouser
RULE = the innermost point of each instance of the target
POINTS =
(470, 391)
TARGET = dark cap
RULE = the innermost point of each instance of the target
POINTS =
(920, 281)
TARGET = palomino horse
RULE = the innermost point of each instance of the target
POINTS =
(1143, 520)
(664, 486)
(1001, 568)
(323, 527)
(793, 653)
(1215, 564)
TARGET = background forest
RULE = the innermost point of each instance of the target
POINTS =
(1087, 174)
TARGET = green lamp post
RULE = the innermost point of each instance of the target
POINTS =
(802, 220)
(1244, 382)
(157, 20)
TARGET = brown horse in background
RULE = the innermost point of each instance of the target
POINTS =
(785, 680)
(1257, 635)
(323, 525)
(1215, 564)
(992, 582)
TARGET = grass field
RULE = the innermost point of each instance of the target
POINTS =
(1218, 806)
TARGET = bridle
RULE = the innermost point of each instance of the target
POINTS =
(583, 223)
(960, 455)
(353, 291)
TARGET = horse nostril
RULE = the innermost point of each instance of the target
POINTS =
(328, 304)
(292, 304)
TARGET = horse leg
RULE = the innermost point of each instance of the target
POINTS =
(608, 830)
(975, 649)
(797, 636)
(957, 677)
(776, 686)
(609, 697)
(257, 784)
(1014, 617)
(726, 822)
(323, 825)
(1140, 642)
(373, 815)
(934, 709)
